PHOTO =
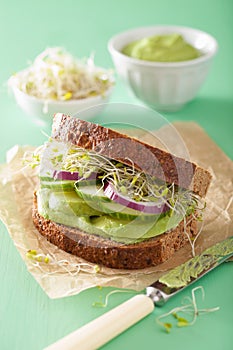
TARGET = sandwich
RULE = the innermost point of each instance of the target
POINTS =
(114, 200)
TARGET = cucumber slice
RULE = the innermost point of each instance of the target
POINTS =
(66, 185)
(46, 178)
(63, 185)
(102, 203)
(84, 182)
(92, 192)
(121, 212)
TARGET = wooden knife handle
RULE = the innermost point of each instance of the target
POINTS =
(106, 327)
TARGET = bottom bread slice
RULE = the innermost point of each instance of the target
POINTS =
(99, 250)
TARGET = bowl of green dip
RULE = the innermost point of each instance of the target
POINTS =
(164, 66)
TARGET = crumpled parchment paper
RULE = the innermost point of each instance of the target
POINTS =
(64, 274)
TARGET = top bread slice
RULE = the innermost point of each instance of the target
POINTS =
(151, 160)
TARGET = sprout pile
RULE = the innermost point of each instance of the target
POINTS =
(56, 75)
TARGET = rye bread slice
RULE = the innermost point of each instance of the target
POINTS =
(151, 160)
(112, 254)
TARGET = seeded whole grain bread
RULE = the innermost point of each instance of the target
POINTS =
(112, 254)
(151, 160)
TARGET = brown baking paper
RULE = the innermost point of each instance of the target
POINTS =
(64, 274)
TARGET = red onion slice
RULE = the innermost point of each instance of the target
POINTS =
(74, 176)
(145, 207)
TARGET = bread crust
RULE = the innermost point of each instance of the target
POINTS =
(151, 160)
(112, 254)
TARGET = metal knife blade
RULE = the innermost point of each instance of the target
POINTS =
(99, 331)
(189, 272)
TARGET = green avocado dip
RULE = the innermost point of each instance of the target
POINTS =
(162, 48)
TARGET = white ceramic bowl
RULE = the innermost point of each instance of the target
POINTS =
(163, 85)
(43, 111)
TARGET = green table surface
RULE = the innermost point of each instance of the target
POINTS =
(28, 318)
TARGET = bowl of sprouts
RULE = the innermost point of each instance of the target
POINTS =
(58, 82)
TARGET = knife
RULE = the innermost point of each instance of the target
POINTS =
(104, 328)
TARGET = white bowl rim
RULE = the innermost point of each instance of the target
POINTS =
(203, 58)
